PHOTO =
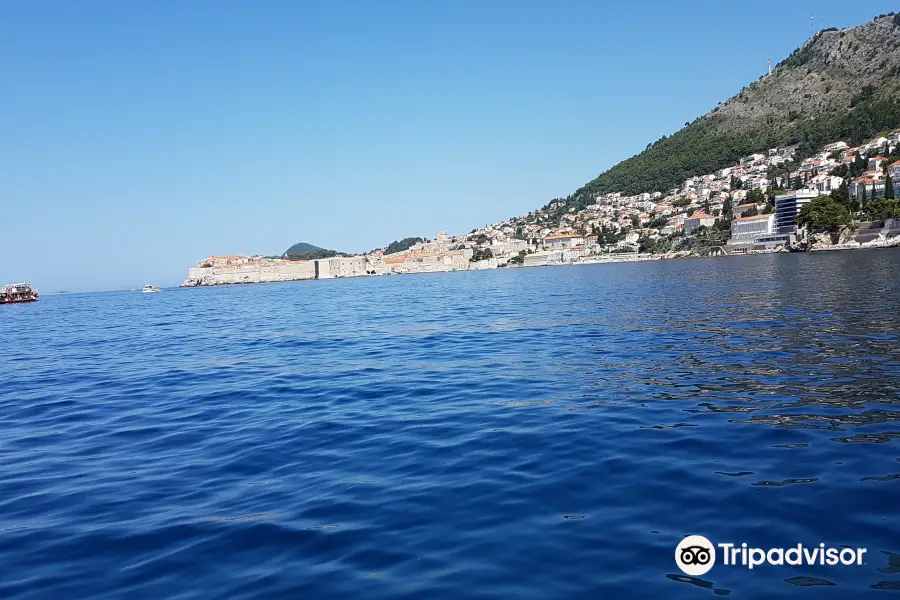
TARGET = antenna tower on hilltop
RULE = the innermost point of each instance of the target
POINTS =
(770, 66)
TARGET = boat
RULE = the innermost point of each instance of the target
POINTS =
(18, 292)
(149, 289)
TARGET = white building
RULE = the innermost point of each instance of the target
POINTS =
(824, 184)
(787, 207)
(543, 258)
(894, 170)
(563, 241)
(513, 246)
(739, 210)
(877, 143)
(748, 229)
(340, 266)
(875, 163)
(697, 220)
(440, 241)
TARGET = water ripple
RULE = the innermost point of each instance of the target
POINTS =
(531, 433)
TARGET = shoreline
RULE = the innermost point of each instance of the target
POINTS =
(581, 262)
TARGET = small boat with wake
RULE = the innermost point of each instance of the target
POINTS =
(18, 292)
(150, 289)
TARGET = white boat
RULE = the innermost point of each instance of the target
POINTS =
(150, 288)
(18, 292)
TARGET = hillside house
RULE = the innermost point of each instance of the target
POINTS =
(697, 220)
(738, 211)
(563, 241)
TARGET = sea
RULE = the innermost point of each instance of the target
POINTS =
(534, 433)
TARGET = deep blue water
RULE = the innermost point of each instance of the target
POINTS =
(529, 433)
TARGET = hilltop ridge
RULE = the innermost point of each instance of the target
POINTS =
(307, 251)
(838, 85)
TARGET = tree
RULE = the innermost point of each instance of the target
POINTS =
(889, 186)
(841, 194)
(653, 246)
(727, 207)
(706, 208)
(715, 235)
(607, 236)
(681, 202)
(755, 197)
(751, 212)
(824, 214)
(883, 208)
(481, 254)
(863, 199)
(658, 222)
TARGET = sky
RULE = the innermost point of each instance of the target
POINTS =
(139, 137)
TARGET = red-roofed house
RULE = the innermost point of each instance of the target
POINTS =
(563, 241)
(871, 183)
(835, 146)
(875, 163)
(696, 220)
(876, 143)
(894, 170)
(740, 209)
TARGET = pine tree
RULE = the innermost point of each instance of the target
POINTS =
(889, 187)
(841, 194)
(863, 199)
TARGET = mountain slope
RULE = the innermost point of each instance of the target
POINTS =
(838, 85)
(302, 247)
(306, 251)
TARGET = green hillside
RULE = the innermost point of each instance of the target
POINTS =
(839, 85)
(306, 251)
(401, 245)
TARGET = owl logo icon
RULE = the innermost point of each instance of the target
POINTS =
(695, 555)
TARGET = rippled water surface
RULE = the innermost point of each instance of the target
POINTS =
(527, 433)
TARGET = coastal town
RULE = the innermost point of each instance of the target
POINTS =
(748, 208)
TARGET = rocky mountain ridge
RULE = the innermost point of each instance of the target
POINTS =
(839, 85)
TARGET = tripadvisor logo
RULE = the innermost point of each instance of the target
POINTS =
(695, 555)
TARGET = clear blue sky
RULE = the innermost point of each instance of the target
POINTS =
(138, 137)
